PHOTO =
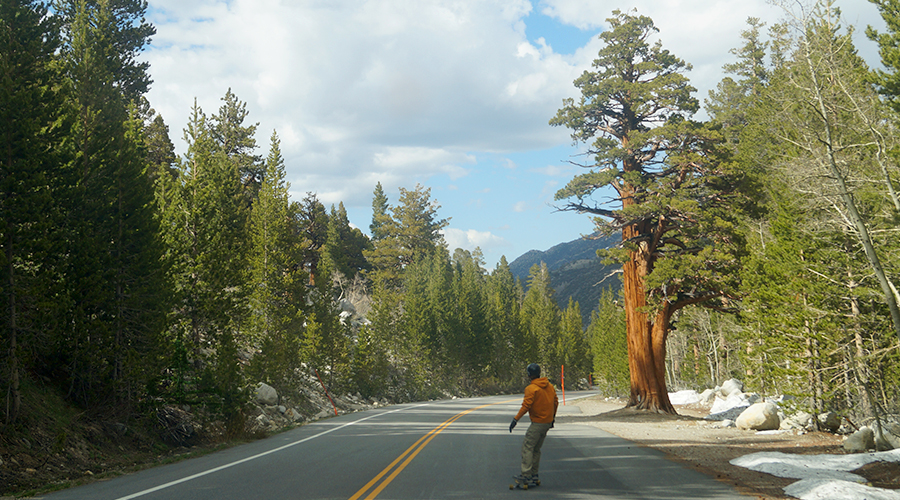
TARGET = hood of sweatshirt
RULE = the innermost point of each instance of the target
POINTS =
(542, 382)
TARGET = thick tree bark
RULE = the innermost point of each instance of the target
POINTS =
(646, 338)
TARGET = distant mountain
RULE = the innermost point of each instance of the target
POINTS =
(575, 271)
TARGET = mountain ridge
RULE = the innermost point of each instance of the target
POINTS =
(575, 271)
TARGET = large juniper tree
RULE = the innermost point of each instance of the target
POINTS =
(674, 185)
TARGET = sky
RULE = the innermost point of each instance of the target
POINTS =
(453, 95)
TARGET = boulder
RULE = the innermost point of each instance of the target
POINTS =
(293, 415)
(798, 421)
(729, 414)
(860, 441)
(759, 417)
(266, 394)
(829, 421)
(347, 306)
(732, 401)
(708, 396)
(731, 386)
(263, 420)
(889, 438)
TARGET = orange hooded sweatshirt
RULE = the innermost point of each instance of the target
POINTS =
(540, 402)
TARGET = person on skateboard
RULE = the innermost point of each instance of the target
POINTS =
(540, 402)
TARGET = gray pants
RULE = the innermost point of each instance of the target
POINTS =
(531, 448)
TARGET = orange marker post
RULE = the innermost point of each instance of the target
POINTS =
(562, 376)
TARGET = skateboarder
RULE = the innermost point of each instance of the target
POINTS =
(540, 402)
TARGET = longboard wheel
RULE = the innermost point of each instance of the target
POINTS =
(512, 486)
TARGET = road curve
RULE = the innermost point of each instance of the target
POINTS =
(441, 449)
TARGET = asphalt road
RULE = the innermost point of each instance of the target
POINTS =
(443, 449)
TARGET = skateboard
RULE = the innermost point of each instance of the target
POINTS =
(523, 484)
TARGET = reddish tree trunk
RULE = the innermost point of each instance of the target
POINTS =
(646, 338)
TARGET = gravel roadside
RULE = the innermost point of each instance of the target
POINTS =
(706, 447)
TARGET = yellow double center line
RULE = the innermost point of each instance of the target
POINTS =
(410, 454)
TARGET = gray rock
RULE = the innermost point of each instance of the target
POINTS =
(734, 400)
(730, 387)
(281, 409)
(266, 394)
(727, 423)
(708, 396)
(293, 415)
(263, 420)
(860, 441)
(830, 421)
(889, 439)
(759, 417)
(798, 421)
(729, 414)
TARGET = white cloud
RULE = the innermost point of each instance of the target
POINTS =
(404, 90)
(470, 238)
(520, 206)
(555, 171)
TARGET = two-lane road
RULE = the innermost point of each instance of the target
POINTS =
(443, 449)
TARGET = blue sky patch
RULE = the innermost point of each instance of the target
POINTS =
(564, 39)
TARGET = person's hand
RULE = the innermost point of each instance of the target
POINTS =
(513, 424)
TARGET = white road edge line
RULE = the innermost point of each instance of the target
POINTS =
(254, 457)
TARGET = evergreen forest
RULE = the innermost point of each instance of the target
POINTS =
(134, 277)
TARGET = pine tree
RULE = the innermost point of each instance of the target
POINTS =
(473, 343)
(115, 282)
(205, 219)
(157, 144)
(829, 117)
(503, 303)
(312, 221)
(729, 104)
(31, 131)
(380, 215)
(606, 334)
(541, 319)
(238, 143)
(349, 244)
(572, 348)
(277, 286)
(790, 323)
(412, 230)
(327, 340)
